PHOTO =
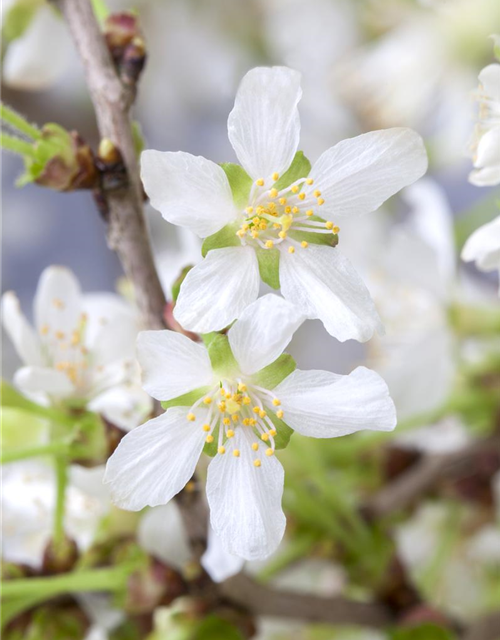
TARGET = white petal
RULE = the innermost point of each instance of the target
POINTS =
(217, 562)
(57, 305)
(485, 177)
(155, 461)
(321, 404)
(357, 175)
(44, 379)
(124, 406)
(30, 64)
(323, 284)
(188, 190)
(262, 332)
(490, 80)
(488, 149)
(19, 331)
(483, 246)
(218, 290)
(161, 533)
(245, 501)
(172, 364)
(264, 125)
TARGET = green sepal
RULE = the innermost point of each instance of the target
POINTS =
(239, 181)
(270, 376)
(55, 142)
(269, 262)
(226, 237)
(329, 239)
(176, 287)
(138, 137)
(210, 448)
(208, 337)
(284, 432)
(221, 356)
(186, 399)
(299, 168)
(18, 18)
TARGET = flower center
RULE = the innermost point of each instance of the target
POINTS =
(273, 216)
(233, 405)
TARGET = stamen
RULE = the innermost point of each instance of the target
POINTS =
(191, 417)
(209, 439)
(221, 450)
(236, 453)
(260, 182)
(291, 249)
(309, 181)
(255, 446)
(275, 176)
(257, 462)
(269, 452)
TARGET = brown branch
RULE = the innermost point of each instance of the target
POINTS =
(265, 601)
(422, 476)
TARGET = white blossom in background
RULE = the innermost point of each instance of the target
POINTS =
(28, 501)
(29, 63)
(232, 410)
(354, 177)
(485, 146)
(483, 246)
(81, 350)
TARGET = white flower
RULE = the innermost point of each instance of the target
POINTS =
(28, 499)
(82, 349)
(486, 141)
(483, 246)
(29, 64)
(295, 221)
(232, 407)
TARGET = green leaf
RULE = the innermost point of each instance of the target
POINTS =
(226, 237)
(18, 18)
(422, 632)
(186, 399)
(239, 181)
(221, 356)
(284, 432)
(269, 261)
(22, 429)
(299, 168)
(270, 376)
(101, 10)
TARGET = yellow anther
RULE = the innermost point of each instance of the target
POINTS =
(302, 196)
(295, 188)
(256, 220)
(209, 439)
(263, 225)
(60, 335)
(75, 338)
(240, 233)
(265, 437)
(273, 432)
(309, 212)
(246, 422)
(316, 193)
(206, 427)
(288, 209)
(221, 450)
(336, 229)
(242, 387)
(273, 193)
(44, 330)
(269, 452)
(252, 421)
(235, 417)
(262, 414)
(191, 417)
(271, 206)
(257, 463)
(246, 400)
(260, 182)
(61, 366)
(269, 244)
(236, 453)
(276, 225)
(245, 227)
(276, 402)
(255, 446)
(227, 422)
(309, 181)
(249, 209)
(256, 409)
(222, 406)
(58, 304)
(259, 211)
(280, 413)
(291, 249)
(295, 210)
(230, 433)
(255, 234)
(320, 201)
(282, 234)
(304, 244)
(329, 224)
(207, 400)
(282, 200)
(275, 176)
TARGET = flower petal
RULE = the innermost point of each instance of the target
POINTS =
(161, 533)
(262, 332)
(19, 331)
(357, 175)
(57, 305)
(217, 562)
(245, 501)
(323, 284)
(43, 379)
(155, 461)
(483, 246)
(172, 364)
(489, 78)
(321, 404)
(488, 149)
(188, 190)
(264, 125)
(218, 290)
